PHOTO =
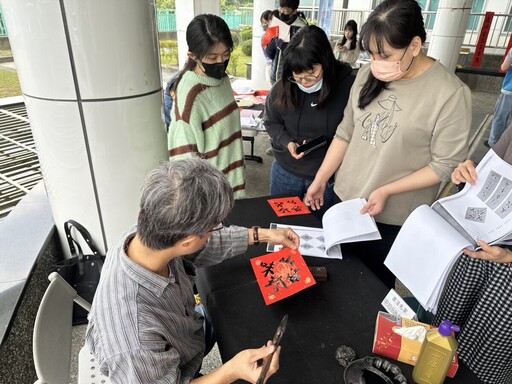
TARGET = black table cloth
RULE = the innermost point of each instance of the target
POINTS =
(339, 311)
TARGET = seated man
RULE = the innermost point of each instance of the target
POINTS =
(143, 327)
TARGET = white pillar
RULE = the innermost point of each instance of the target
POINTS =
(186, 10)
(258, 59)
(90, 76)
(449, 30)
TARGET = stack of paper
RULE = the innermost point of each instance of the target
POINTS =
(421, 259)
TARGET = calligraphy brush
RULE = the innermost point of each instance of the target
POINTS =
(275, 341)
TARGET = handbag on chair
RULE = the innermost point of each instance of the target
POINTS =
(81, 271)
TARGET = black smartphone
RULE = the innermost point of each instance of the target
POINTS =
(316, 143)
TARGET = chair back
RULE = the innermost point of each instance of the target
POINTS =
(52, 331)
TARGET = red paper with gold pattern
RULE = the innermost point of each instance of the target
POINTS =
(288, 206)
(281, 274)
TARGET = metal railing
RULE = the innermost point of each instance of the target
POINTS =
(3, 28)
(499, 34)
(234, 19)
(19, 164)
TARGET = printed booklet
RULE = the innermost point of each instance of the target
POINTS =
(432, 238)
(342, 223)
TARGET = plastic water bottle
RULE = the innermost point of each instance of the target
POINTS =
(436, 354)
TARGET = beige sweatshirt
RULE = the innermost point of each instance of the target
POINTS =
(420, 122)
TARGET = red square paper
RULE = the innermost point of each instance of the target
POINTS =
(270, 33)
(288, 206)
(281, 274)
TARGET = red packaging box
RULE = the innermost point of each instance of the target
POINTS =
(390, 344)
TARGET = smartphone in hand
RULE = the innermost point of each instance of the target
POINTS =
(316, 143)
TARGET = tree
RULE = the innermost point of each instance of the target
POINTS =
(166, 4)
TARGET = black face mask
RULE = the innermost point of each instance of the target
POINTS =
(217, 70)
(285, 18)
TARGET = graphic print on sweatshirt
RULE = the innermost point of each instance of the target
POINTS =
(381, 123)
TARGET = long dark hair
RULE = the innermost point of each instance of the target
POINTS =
(351, 24)
(309, 46)
(395, 22)
(203, 33)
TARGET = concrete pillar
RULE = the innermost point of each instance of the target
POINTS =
(449, 30)
(185, 12)
(258, 59)
(90, 76)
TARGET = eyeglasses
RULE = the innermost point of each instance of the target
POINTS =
(218, 227)
(307, 79)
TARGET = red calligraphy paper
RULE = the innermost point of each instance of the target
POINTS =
(281, 274)
(288, 206)
(270, 33)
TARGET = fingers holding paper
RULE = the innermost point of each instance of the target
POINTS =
(465, 173)
(281, 236)
(490, 253)
(376, 202)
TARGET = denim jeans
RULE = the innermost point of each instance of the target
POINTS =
(502, 113)
(283, 182)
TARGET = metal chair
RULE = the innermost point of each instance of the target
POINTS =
(52, 337)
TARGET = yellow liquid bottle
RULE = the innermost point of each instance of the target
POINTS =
(436, 355)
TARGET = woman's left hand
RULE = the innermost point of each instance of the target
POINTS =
(490, 253)
(376, 202)
(292, 147)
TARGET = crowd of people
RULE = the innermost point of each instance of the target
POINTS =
(391, 134)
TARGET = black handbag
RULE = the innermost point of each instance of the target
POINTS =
(81, 271)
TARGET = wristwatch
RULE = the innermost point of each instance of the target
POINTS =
(255, 235)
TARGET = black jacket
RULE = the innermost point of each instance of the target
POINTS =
(306, 122)
(275, 49)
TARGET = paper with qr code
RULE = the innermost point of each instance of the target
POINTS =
(432, 238)
(281, 274)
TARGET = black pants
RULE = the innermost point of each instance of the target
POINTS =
(373, 253)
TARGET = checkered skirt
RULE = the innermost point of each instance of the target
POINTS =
(478, 298)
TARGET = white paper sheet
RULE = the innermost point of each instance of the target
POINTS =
(420, 258)
(484, 210)
(312, 242)
(343, 223)
(284, 29)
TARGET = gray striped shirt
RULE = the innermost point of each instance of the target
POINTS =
(143, 327)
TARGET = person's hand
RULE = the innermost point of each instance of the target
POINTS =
(292, 147)
(281, 236)
(244, 365)
(315, 195)
(490, 253)
(376, 202)
(464, 173)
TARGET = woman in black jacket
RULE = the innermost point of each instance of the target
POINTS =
(305, 104)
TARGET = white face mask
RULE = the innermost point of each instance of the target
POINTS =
(312, 89)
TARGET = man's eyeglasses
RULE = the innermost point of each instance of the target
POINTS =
(307, 79)
(218, 227)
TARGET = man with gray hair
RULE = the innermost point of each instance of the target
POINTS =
(143, 327)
